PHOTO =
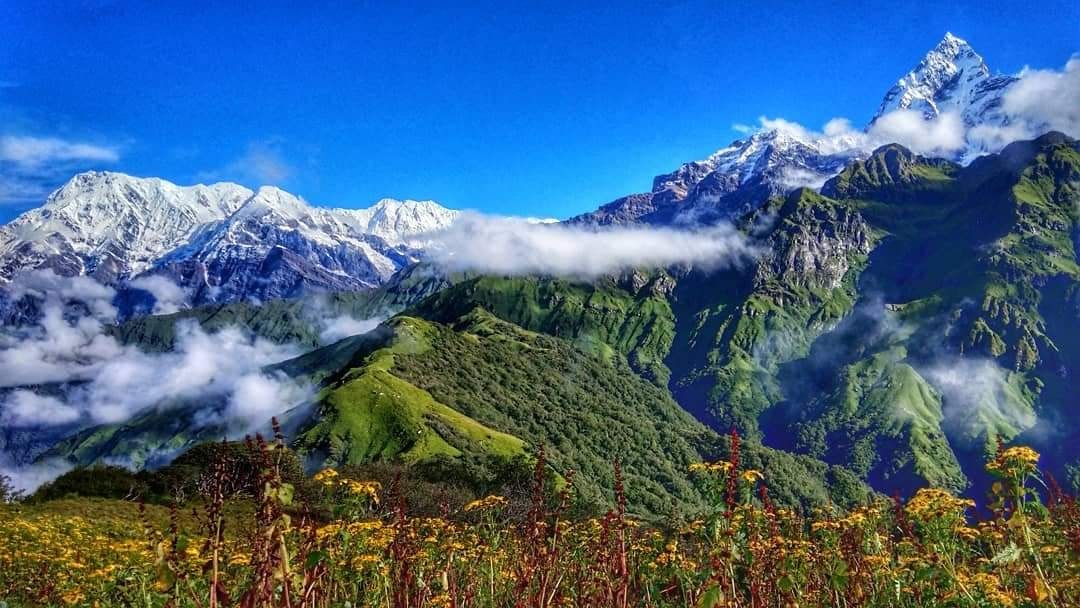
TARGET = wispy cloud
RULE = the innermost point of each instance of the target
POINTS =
(940, 136)
(168, 296)
(27, 151)
(1040, 101)
(263, 163)
(30, 166)
(105, 381)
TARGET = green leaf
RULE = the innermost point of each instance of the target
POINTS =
(314, 559)
(1007, 555)
(712, 598)
(285, 494)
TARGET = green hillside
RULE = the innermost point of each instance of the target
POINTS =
(479, 388)
(968, 260)
(629, 315)
(895, 327)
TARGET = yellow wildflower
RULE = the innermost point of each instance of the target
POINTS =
(483, 504)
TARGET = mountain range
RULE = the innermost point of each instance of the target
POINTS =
(219, 243)
(224, 243)
(905, 314)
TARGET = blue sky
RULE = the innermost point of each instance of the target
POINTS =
(549, 110)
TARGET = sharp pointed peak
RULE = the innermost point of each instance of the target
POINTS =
(952, 39)
(951, 47)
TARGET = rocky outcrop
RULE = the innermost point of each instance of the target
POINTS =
(814, 244)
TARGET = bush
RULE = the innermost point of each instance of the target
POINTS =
(178, 482)
(101, 481)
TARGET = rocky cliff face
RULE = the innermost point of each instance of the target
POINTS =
(814, 245)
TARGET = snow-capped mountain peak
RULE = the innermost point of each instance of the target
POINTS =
(111, 225)
(952, 77)
(220, 242)
(397, 221)
(274, 204)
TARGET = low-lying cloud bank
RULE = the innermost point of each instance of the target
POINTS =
(106, 382)
(511, 246)
(977, 394)
(67, 372)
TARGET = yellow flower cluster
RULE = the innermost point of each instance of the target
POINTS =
(364, 489)
(930, 504)
(752, 475)
(721, 466)
(1019, 460)
(484, 504)
(326, 477)
(332, 480)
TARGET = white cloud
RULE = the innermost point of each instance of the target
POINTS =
(256, 397)
(107, 381)
(333, 329)
(27, 478)
(786, 126)
(511, 246)
(25, 408)
(837, 127)
(98, 380)
(975, 395)
(795, 177)
(111, 382)
(943, 135)
(262, 163)
(837, 136)
(47, 285)
(31, 166)
(30, 151)
(940, 136)
(168, 296)
(984, 139)
(1038, 102)
(1050, 98)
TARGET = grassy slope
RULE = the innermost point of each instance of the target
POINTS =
(588, 409)
(604, 317)
(370, 414)
(884, 421)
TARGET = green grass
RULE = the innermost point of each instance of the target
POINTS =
(371, 415)
(601, 317)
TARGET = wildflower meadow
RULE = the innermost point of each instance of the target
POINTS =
(356, 545)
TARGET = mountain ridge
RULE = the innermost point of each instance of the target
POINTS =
(221, 242)
(781, 157)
